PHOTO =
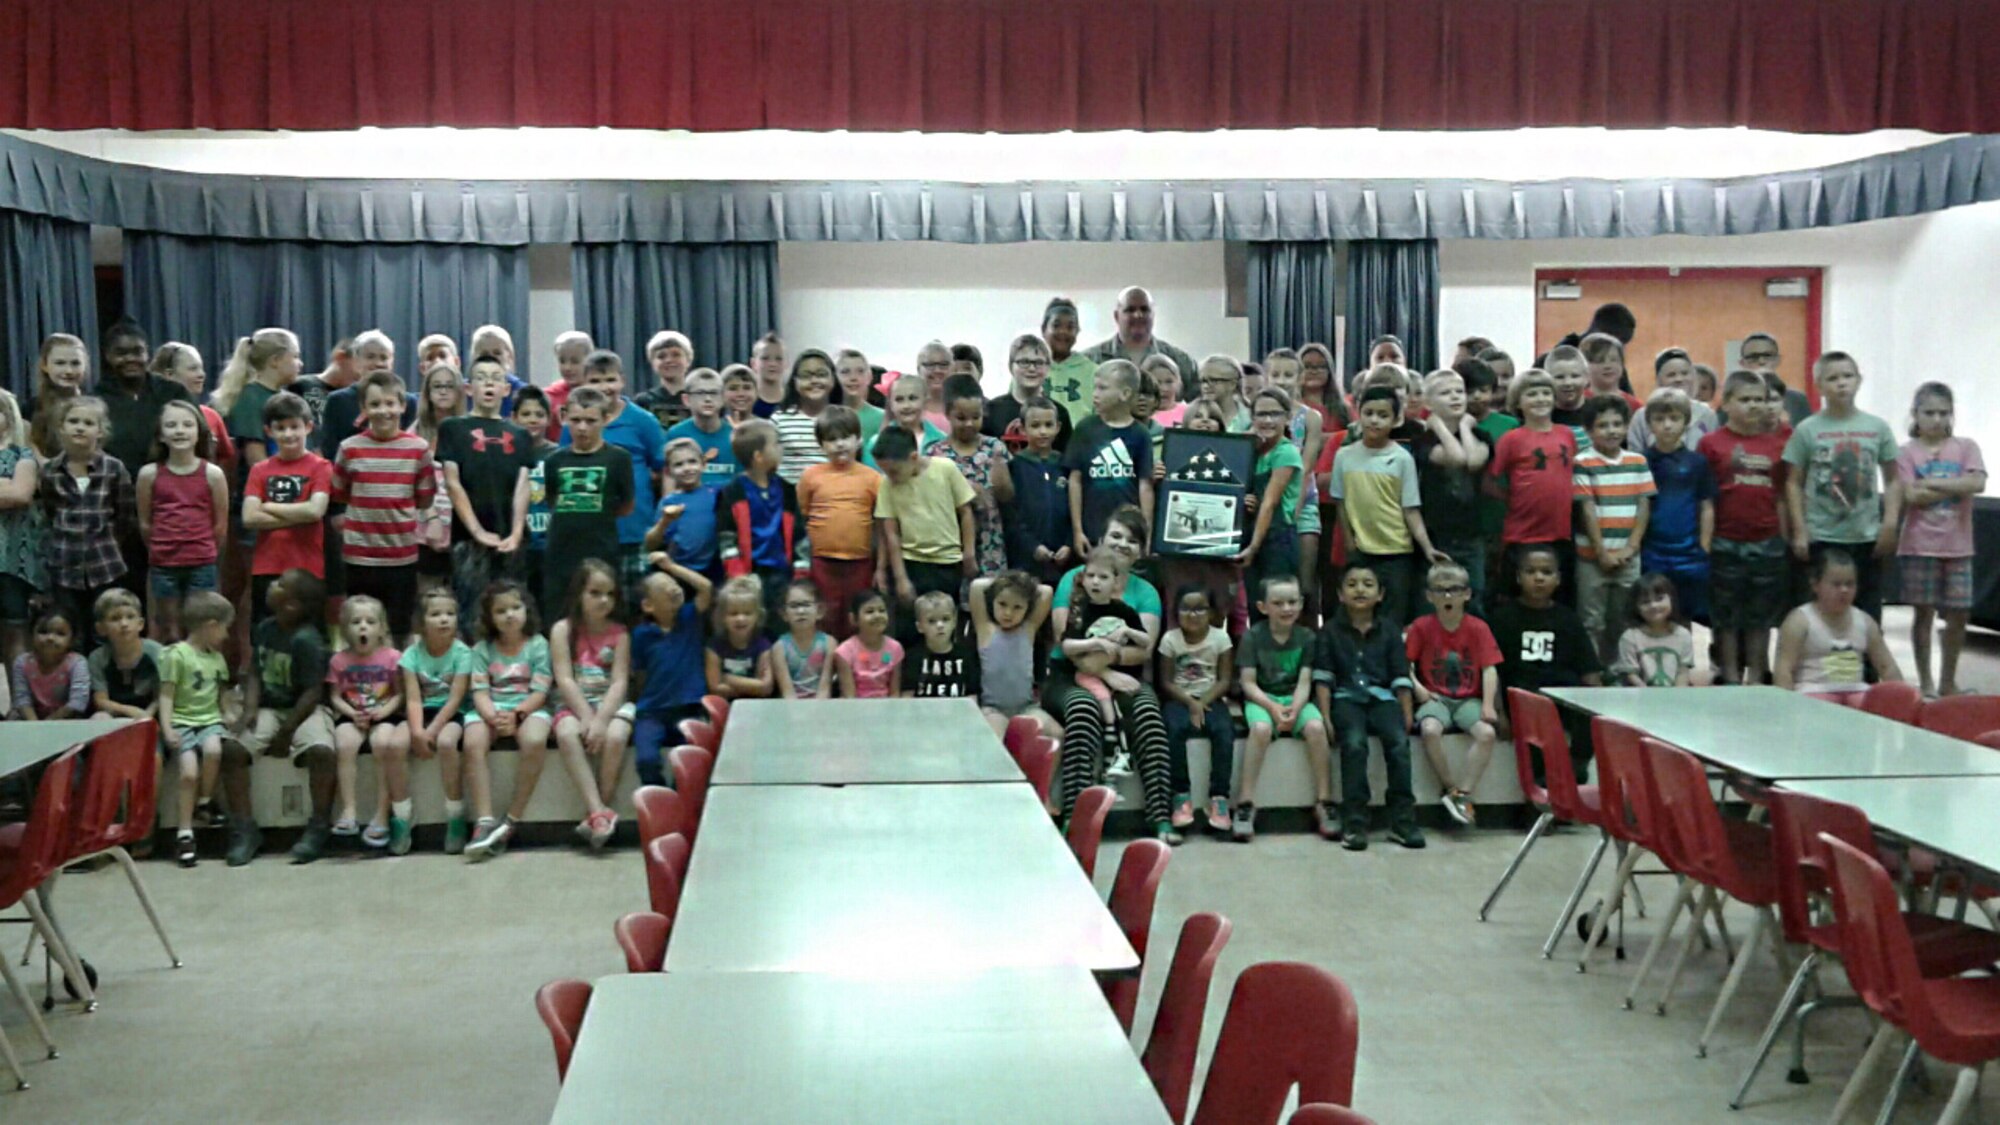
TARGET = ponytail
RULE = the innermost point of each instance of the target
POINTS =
(235, 377)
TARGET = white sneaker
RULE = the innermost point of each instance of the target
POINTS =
(1120, 766)
(1454, 803)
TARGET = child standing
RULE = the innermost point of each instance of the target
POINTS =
(838, 499)
(807, 394)
(1275, 663)
(906, 413)
(946, 667)
(706, 428)
(1939, 474)
(1657, 649)
(437, 673)
(1196, 669)
(739, 394)
(1533, 471)
(1836, 457)
(803, 663)
(367, 683)
(685, 529)
(183, 502)
(486, 462)
(1569, 375)
(667, 653)
(191, 677)
(125, 670)
(738, 660)
(571, 349)
(869, 663)
(593, 664)
(1007, 616)
(589, 487)
(1747, 577)
(1374, 484)
(1615, 492)
(634, 429)
(285, 501)
(857, 390)
(1275, 488)
(386, 477)
(284, 693)
(1451, 456)
(531, 413)
(87, 505)
(1681, 528)
(1037, 522)
(1826, 645)
(1543, 644)
(21, 576)
(758, 517)
(1362, 677)
(982, 460)
(1109, 459)
(925, 512)
(512, 677)
(50, 680)
(1456, 685)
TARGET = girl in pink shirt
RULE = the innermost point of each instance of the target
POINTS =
(870, 663)
(1939, 474)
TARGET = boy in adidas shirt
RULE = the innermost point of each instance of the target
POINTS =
(1110, 457)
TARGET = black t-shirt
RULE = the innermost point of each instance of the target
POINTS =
(945, 675)
(287, 661)
(585, 493)
(134, 419)
(137, 686)
(315, 391)
(670, 407)
(490, 454)
(1450, 494)
(1085, 614)
(1005, 410)
(1542, 648)
(1571, 418)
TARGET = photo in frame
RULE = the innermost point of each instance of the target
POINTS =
(1198, 512)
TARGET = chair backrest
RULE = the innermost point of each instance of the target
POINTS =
(1701, 844)
(1797, 822)
(718, 714)
(1021, 730)
(1320, 1113)
(666, 868)
(1038, 765)
(561, 1004)
(48, 833)
(691, 766)
(1961, 716)
(702, 733)
(1990, 740)
(1616, 747)
(643, 938)
(1086, 826)
(121, 788)
(1171, 1045)
(1536, 722)
(1133, 893)
(1288, 1024)
(1875, 942)
(1893, 700)
(660, 811)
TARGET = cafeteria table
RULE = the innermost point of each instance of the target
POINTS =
(1771, 735)
(1952, 816)
(24, 746)
(844, 741)
(1013, 1045)
(879, 878)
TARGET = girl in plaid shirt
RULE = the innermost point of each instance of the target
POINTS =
(88, 504)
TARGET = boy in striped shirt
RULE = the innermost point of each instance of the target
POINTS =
(385, 476)
(1614, 490)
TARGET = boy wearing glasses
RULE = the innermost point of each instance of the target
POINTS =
(706, 427)
(1456, 667)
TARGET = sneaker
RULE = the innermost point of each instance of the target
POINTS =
(312, 843)
(1183, 810)
(1218, 814)
(602, 825)
(1326, 817)
(1471, 811)
(244, 841)
(1454, 802)
(1121, 766)
(207, 815)
(1354, 841)
(489, 837)
(184, 849)
(1410, 836)
(583, 828)
(399, 836)
(375, 836)
(346, 826)
(503, 835)
(455, 835)
(1164, 832)
(1243, 823)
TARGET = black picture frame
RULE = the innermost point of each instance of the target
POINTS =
(1199, 510)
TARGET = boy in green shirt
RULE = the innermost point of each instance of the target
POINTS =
(191, 680)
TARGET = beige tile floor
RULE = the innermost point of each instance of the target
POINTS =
(401, 990)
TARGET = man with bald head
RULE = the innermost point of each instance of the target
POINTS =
(1135, 340)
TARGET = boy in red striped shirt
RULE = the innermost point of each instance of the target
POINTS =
(384, 475)
(1614, 488)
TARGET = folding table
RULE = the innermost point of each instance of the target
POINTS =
(24, 746)
(847, 741)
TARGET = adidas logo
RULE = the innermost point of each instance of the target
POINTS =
(1113, 462)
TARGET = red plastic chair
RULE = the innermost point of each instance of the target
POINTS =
(561, 1004)
(1086, 826)
(120, 802)
(29, 852)
(691, 766)
(1021, 730)
(1893, 700)
(660, 811)
(1538, 727)
(699, 732)
(643, 938)
(1133, 893)
(666, 869)
(1288, 1023)
(1990, 740)
(1961, 716)
(717, 709)
(1625, 798)
(1955, 1020)
(1321, 1113)
(1944, 947)
(1038, 765)
(1170, 1046)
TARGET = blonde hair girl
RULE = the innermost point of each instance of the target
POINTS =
(269, 359)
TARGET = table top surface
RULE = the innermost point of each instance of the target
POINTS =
(1011, 1045)
(1775, 735)
(853, 742)
(25, 745)
(1952, 816)
(887, 878)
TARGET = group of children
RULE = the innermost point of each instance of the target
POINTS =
(748, 534)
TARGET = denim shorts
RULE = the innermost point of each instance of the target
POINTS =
(180, 581)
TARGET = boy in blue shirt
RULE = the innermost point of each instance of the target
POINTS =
(686, 525)
(667, 655)
(1683, 515)
(1037, 522)
(707, 428)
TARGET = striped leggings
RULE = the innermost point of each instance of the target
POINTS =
(1083, 742)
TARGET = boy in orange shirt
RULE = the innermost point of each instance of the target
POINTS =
(838, 500)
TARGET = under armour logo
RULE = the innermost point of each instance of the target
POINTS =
(480, 441)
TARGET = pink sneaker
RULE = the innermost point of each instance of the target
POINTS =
(1183, 811)
(602, 825)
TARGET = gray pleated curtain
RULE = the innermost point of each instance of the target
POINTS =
(210, 291)
(1291, 291)
(46, 285)
(721, 296)
(1392, 289)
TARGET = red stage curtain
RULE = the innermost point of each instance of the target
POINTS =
(1001, 65)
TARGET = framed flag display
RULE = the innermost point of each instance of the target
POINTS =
(1199, 509)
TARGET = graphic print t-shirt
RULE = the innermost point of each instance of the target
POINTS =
(1842, 485)
(1277, 664)
(945, 675)
(586, 491)
(1451, 663)
(1113, 460)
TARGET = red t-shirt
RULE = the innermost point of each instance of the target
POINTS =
(225, 450)
(1749, 482)
(277, 481)
(1541, 486)
(1450, 664)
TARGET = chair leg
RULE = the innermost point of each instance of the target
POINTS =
(1660, 939)
(1759, 919)
(1619, 884)
(1896, 1084)
(1638, 900)
(1576, 894)
(1962, 1094)
(1535, 833)
(64, 957)
(1787, 1009)
(1857, 1083)
(13, 1063)
(1702, 906)
(20, 992)
(124, 859)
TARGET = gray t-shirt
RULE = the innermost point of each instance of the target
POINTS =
(1841, 459)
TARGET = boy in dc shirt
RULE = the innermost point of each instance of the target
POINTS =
(1544, 645)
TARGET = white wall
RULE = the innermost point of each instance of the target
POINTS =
(1944, 321)
(889, 298)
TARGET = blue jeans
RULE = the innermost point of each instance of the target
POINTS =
(650, 732)
(179, 581)
(1213, 724)
(1353, 722)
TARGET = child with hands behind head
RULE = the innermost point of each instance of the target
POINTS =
(512, 677)
(437, 673)
(667, 654)
(592, 654)
(367, 693)
(1362, 679)
(1007, 616)
(803, 663)
(1455, 685)
(1275, 663)
(739, 654)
